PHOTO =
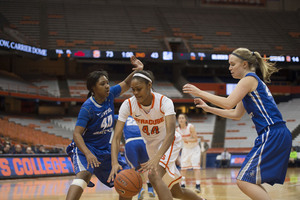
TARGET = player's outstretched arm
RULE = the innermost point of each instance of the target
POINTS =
(236, 113)
(115, 147)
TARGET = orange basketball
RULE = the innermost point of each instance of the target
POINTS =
(128, 183)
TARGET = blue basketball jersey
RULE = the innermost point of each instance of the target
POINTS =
(98, 119)
(261, 107)
(131, 129)
(135, 147)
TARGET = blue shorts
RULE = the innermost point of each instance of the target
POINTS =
(267, 162)
(136, 152)
(104, 156)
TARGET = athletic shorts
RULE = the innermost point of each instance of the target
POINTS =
(190, 158)
(136, 152)
(167, 161)
(104, 156)
(267, 162)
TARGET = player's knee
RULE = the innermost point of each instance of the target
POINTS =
(240, 183)
(153, 178)
(177, 191)
(79, 182)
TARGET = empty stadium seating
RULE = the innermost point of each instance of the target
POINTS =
(167, 88)
(204, 126)
(51, 86)
(291, 113)
(242, 133)
(43, 125)
(30, 131)
(65, 123)
(78, 89)
(9, 84)
(139, 27)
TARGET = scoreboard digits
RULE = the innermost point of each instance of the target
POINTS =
(167, 56)
(161, 56)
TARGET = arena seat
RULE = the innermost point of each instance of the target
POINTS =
(30, 133)
(242, 133)
(42, 125)
(167, 88)
(65, 123)
(51, 86)
(10, 84)
(118, 25)
(77, 88)
(204, 126)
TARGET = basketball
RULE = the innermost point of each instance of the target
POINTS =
(128, 183)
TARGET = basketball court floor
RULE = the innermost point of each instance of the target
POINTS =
(216, 184)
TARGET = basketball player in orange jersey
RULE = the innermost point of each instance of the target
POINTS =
(90, 148)
(155, 116)
(191, 153)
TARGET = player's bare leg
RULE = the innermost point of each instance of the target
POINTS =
(183, 193)
(255, 192)
(76, 191)
(160, 187)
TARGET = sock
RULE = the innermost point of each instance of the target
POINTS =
(183, 181)
(149, 184)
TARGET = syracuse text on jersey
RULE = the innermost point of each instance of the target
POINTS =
(150, 121)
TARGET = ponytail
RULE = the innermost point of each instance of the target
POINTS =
(255, 60)
(89, 94)
(266, 68)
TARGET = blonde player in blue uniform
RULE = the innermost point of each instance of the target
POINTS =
(135, 150)
(267, 162)
(90, 149)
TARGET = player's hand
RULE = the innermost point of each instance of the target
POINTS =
(92, 160)
(191, 89)
(150, 166)
(201, 104)
(138, 65)
(113, 172)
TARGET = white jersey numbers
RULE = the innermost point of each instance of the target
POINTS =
(107, 122)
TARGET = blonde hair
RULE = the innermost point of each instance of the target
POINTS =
(255, 60)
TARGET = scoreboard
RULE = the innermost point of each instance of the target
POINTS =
(167, 56)
(156, 55)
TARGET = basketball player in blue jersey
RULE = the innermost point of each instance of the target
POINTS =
(268, 160)
(90, 149)
(135, 150)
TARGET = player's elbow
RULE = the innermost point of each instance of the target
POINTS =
(236, 118)
(229, 105)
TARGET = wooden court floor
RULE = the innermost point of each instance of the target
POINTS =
(216, 184)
